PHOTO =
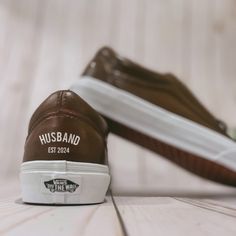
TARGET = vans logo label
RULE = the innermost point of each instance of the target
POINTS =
(61, 185)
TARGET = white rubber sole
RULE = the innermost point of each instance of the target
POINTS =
(63, 182)
(156, 122)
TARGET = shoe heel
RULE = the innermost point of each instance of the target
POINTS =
(63, 182)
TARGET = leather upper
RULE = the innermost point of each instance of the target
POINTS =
(164, 90)
(64, 127)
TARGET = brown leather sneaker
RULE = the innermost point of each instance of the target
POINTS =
(158, 112)
(65, 153)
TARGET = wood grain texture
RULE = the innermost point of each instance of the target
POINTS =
(24, 219)
(168, 216)
(44, 46)
(141, 215)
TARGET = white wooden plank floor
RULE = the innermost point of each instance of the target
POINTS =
(44, 46)
(141, 215)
